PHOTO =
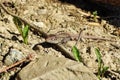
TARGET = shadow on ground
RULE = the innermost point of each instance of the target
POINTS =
(107, 12)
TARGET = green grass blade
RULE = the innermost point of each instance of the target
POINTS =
(18, 24)
(25, 33)
(104, 70)
(99, 62)
(101, 68)
(22, 28)
(98, 56)
(76, 54)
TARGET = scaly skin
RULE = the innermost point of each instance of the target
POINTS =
(64, 37)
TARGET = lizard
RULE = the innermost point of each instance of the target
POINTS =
(64, 37)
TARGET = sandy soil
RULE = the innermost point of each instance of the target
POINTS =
(54, 17)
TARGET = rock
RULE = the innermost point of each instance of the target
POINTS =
(55, 68)
(13, 56)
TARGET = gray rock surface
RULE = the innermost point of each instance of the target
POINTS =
(55, 68)
(14, 56)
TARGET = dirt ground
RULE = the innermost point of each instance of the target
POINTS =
(55, 17)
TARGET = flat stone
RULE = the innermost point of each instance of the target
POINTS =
(55, 68)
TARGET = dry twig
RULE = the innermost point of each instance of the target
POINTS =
(28, 58)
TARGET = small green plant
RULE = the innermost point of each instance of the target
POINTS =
(101, 68)
(22, 28)
(76, 54)
(95, 13)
